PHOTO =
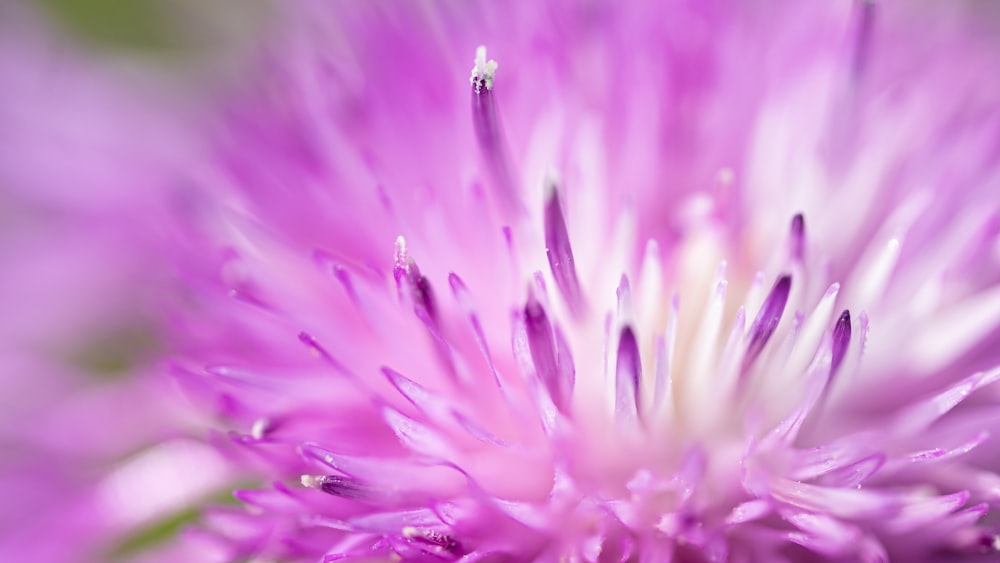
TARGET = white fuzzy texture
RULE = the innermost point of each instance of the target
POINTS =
(484, 72)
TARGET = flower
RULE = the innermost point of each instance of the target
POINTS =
(689, 280)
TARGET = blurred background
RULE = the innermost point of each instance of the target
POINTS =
(99, 460)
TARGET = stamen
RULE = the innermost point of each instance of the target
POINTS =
(438, 540)
(767, 319)
(409, 279)
(339, 486)
(488, 133)
(423, 296)
(628, 373)
(560, 253)
(797, 240)
(841, 339)
(862, 36)
(399, 268)
(542, 347)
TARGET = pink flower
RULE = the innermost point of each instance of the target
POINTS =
(688, 281)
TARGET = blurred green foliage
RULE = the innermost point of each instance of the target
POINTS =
(159, 531)
(135, 25)
(164, 29)
(114, 354)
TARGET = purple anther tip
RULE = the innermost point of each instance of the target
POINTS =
(345, 487)
(541, 344)
(841, 340)
(767, 319)
(627, 374)
(798, 237)
(423, 297)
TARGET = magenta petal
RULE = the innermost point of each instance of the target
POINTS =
(749, 511)
(354, 466)
(541, 343)
(560, 254)
(418, 437)
(855, 474)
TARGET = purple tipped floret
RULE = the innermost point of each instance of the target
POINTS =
(345, 487)
(628, 373)
(862, 36)
(543, 350)
(767, 319)
(407, 272)
(438, 539)
(560, 254)
(798, 238)
(841, 340)
(423, 298)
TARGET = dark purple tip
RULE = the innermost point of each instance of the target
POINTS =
(543, 350)
(798, 237)
(423, 298)
(560, 254)
(767, 319)
(865, 14)
(419, 286)
(841, 340)
(628, 373)
(345, 487)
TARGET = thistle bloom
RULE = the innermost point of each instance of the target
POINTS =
(685, 281)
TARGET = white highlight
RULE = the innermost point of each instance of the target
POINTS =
(484, 72)
(870, 282)
(146, 486)
(955, 329)
(699, 384)
(259, 428)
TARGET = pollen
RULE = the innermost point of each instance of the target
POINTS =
(484, 72)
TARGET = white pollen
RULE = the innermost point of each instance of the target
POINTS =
(259, 428)
(484, 72)
(310, 481)
(400, 253)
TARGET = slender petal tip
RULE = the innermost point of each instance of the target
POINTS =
(560, 253)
